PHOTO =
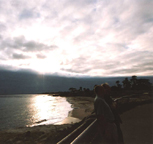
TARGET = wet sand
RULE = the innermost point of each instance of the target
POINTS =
(137, 125)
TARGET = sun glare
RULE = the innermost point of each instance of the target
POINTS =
(48, 109)
(42, 107)
(46, 65)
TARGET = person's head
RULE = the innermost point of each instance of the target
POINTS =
(107, 88)
(99, 90)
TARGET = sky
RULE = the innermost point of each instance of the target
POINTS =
(77, 38)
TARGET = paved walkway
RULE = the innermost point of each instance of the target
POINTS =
(137, 125)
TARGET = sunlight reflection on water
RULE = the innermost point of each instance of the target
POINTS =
(48, 109)
(31, 110)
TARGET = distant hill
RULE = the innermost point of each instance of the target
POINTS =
(21, 82)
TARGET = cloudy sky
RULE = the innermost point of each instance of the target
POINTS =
(77, 37)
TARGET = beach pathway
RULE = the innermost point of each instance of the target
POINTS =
(137, 125)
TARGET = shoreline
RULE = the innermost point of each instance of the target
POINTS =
(46, 134)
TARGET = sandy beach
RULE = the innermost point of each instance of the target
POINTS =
(50, 134)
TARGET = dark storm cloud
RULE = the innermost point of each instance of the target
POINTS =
(19, 56)
(5, 67)
(126, 70)
(25, 45)
(79, 71)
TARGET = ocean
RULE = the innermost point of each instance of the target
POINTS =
(27, 110)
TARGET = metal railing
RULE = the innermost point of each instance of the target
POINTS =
(86, 132)
(87, 135)
(77, 132)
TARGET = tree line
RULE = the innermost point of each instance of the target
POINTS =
(127, 85)
(134, 84)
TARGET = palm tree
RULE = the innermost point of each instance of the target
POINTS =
(118, 85)
(80, 89)
(72, 89)
(134, 82)
(126, 84)
(117, 82)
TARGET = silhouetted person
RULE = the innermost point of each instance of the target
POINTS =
(105, 117)
(112, 105)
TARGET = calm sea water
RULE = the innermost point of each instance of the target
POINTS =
(31, 110)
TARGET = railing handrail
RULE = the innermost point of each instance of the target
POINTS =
(80, 138)
(70, 137)
(77, 138)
